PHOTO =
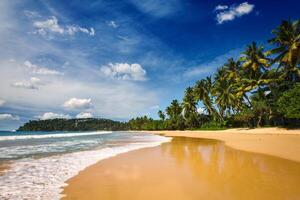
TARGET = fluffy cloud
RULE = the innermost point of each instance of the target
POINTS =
(51, 115)
(84, 115)
(229, 14)
(40, 70)
(51, 26)
(9, 117)
(2, 102)
(124, 71)
(75, 103)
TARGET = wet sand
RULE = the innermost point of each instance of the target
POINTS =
(188, 168)
(3, 167)
(271, 141)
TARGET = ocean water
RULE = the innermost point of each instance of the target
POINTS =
(37, 164)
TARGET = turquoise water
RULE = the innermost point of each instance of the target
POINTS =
(39, 163)
(23, 144)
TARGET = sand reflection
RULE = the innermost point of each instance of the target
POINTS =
(188, 168)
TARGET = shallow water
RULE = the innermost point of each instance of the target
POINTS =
(35, 165)
(188, 169)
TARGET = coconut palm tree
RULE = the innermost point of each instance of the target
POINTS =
(189, 105)
(174, 111)
(232, 69)
(255, 61)
(202, 92)
(161, 115)
(224, 92)
(227, 82)
(287, 50)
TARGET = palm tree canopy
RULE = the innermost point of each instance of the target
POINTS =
(287, 42)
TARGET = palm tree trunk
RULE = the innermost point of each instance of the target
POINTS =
(248, 100)
(259, 120)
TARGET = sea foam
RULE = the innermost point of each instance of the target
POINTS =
(57, 135)
(44, 178)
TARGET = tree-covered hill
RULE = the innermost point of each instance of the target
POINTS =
(90, 124)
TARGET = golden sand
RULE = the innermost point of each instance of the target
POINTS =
(271, 141)
(188, 168)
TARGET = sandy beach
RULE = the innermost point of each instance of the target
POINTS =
(191, 168)
(271, 141)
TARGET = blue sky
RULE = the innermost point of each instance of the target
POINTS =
(119, 59)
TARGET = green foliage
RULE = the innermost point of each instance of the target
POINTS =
(289, 103)
(253, 90)
(213, 125)
(74, 125)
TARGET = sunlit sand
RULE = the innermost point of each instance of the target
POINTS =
(188, 168)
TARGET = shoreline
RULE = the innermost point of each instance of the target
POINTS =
(277, 142)
(186, 164)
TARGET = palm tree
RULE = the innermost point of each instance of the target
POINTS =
(254, 65)
(287, 41)
(227, 81)
(202, 92)
(254, 61)
(174, 111)
(189, 105)
(223, 90)
(232, 69)
(161, 115)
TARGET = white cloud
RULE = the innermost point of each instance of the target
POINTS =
(9, 117)
(51, 115)
(34, 69)
(117, 99)
(75, 103)
(33, 83)
(71, 30)
(112, 24)
(51, 25)
(25, 85)
(124, 71)
(221, 7)
(234, 12)
(84, 115)
(2, 102)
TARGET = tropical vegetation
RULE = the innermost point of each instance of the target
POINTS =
(260, 88)
(90, 124)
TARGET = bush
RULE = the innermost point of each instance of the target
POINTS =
(213, 125)
(289, 103)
